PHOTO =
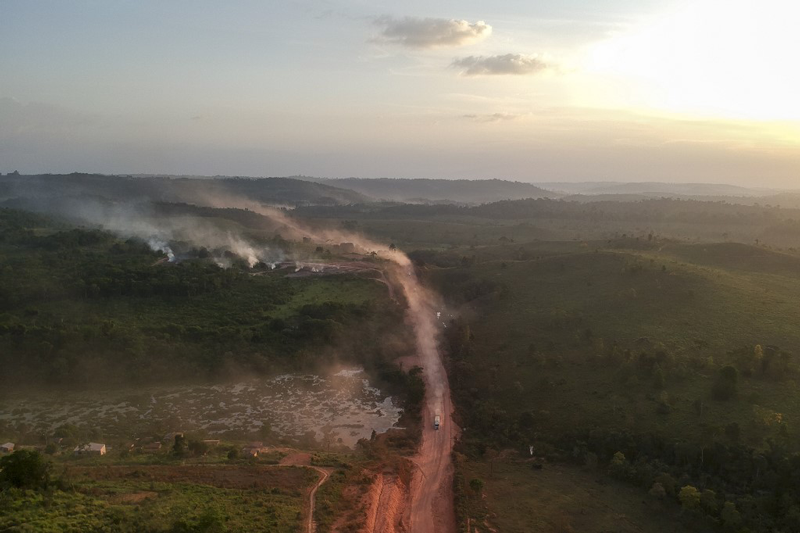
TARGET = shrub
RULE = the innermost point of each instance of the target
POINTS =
(24, 469)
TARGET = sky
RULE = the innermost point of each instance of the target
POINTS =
(548, 90)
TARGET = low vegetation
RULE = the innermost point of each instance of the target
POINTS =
(159, 498)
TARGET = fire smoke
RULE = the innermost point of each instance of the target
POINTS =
(161, 232)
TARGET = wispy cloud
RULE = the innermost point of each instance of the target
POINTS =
(415, 32)
(492, 117)
(508, 64)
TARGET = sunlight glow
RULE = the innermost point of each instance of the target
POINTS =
(734, 59)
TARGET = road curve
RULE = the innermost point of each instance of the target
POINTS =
(310, 526)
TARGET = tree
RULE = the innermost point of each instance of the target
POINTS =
(265, 431)
(689, 498)
(731, 518)
(657, 490)
(726, 385)
(198, 447)
(708, 499)
(179, 448)
(708, 436)
(732, 431)
(667, 482)
(758, 357)
(658, 378)
(328, 436)
(24, 469)
(619, 465)
(476, 485)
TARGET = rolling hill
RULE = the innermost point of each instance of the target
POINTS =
(439, 190)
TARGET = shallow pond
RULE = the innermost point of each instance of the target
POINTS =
(344, 403)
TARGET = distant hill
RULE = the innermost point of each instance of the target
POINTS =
(274, 191)
(655, 189)
(785, 199)
(439, 190)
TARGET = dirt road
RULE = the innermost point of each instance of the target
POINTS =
(431, 492)
(429, 506)
(295, 458)
(311, 526)
(432, 486)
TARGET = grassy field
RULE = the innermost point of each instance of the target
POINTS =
(164, 498)
(559, 499)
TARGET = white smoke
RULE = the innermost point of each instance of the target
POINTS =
(168, 234)
(158, 245)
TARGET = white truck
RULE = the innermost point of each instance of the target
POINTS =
(436, 421)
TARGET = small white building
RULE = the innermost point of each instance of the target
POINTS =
(91, 448)
(8, 447)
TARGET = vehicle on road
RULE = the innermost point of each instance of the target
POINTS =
(436, 421)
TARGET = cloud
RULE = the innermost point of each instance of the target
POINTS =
(431, 33)
(517, 64)
(493, 117)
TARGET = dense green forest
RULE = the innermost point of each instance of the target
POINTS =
(81, 306)
(665, 364)
(654, 342)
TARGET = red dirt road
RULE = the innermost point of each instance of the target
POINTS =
(431, 507)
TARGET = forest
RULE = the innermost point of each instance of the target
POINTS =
(81, 306)
(646, 344)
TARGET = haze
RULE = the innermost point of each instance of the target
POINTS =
(572, 90)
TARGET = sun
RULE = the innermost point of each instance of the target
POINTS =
(731, 59)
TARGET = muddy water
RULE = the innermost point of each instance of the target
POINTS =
(291, 404)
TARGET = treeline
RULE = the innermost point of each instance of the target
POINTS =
(651, 210)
